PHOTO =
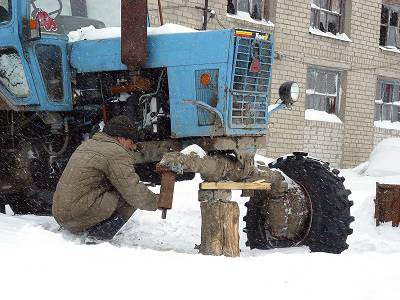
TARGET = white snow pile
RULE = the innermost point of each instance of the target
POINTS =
(390, 49)
(195, 149)
(322, 116)
(92, 33)
(387, 124)
(155, 258)
(385, 159)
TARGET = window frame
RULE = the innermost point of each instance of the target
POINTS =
(313, 91)
(381, 103)
(44, 74)
(263, 13)
(392, 8)
(316, 16)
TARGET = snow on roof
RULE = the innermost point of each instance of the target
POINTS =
(92, 33)
(384, 159)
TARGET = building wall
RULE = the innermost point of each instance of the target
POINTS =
(361, 61)
(324, 141)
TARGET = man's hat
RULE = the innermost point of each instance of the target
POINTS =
(121, 126)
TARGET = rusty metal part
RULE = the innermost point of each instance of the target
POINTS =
(221, 167)
(211, 168)
(153, 151)
(104, 113)
(287, 216)
(137, 84)
(387, 204)
(167, 190)
(134, 33)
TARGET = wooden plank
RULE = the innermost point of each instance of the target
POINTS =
(230, 185)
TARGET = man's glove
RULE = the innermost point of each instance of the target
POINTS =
(170, 162)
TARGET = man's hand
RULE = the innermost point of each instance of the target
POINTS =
(170, 162)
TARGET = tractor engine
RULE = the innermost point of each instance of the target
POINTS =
(142, 96)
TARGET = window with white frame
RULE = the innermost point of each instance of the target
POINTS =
(323, 88)
(387, 103)
(390, 25)
(254, 8)
(327, 15)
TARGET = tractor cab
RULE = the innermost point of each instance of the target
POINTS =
(64, 16)
(34, 68)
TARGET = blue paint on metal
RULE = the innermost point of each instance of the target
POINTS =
(96, 56)
(10, 36)
(207, 93)
(182, 86)
(242, 96)
(209, 109)
(235, 104)
(165, 50)
(45, 102)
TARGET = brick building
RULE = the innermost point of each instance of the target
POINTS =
(344, 55)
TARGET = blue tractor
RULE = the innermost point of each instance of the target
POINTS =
(180, 87)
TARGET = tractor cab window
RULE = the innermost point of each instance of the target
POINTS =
(50, 61)
(5, 11)
(64, 16)
(12, 75)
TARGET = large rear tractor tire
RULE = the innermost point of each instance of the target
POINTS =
(328, 223)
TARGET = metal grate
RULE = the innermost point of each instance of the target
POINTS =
(250, 89)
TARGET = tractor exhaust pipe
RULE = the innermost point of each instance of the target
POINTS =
(134, 33)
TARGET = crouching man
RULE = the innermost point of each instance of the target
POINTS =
(99, 189)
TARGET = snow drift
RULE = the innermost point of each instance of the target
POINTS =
(385, 159)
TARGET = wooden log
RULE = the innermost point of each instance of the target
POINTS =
(230, 185)
(215, 195)
(220, 228)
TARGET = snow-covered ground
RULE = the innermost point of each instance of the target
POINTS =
(155, 258)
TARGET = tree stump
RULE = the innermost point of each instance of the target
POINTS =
(220, 224)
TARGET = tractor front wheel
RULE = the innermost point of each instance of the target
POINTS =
(328, 222)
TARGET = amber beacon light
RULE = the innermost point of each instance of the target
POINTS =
(205, 79)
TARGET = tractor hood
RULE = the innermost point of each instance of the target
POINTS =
(99, 50)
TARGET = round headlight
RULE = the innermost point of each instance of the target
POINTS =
(289, 92)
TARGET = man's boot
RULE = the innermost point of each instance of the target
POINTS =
(105, 230)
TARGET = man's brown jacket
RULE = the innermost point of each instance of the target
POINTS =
(98, 180)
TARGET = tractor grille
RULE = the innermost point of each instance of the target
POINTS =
(250, 89)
